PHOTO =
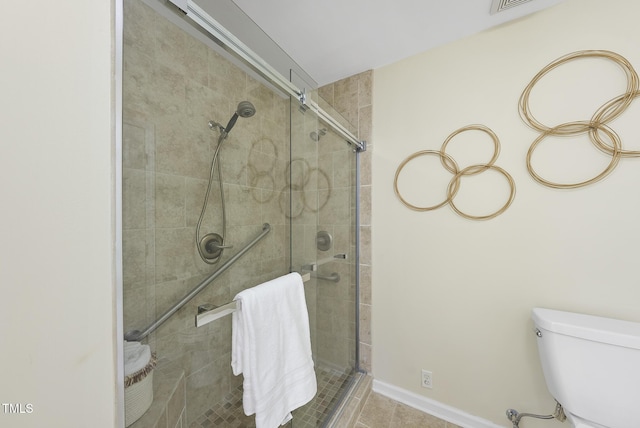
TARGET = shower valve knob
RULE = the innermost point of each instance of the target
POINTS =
(211, 246)
(324, 240)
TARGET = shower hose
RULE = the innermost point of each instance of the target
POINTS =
(214, 163)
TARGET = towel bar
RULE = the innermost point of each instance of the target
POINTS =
(204, 318)
(312, 267)
(214, 314)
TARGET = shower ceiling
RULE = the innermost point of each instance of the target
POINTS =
(333, 39)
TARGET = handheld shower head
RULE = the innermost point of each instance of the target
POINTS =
(245, 109)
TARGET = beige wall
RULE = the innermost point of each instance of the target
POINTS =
(56, 252)
(453, 295)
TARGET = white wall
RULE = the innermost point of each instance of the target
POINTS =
(453, 295)
(57, 279)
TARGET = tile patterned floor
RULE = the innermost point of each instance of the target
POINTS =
(331, 383)
(229, 413)
(382, 412)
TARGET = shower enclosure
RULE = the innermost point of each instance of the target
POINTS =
(282, 167)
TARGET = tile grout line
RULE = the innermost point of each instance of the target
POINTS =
(393, 413)
(359, 416)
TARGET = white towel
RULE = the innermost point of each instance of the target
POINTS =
(136, 357)
(271, 347)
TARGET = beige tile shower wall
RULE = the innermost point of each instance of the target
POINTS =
(352, 98)
(173, 85)
(335, 305)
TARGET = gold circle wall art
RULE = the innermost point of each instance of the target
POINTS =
(597, 128)
(450, 165)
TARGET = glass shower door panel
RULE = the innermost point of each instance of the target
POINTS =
(323, 247)
(303, 214)
(168, 151)
(336, 269)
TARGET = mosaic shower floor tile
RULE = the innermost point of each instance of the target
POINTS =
(229, 413)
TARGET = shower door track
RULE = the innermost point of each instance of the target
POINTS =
(242, 51)
(136, 335)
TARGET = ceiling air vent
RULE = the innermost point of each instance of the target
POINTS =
(500, 5)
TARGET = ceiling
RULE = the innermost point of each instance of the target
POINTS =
(334, 39)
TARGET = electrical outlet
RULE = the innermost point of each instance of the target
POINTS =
(427, 379)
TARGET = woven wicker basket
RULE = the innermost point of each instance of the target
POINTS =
(138, 392)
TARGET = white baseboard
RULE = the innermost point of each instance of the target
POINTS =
(432, 407)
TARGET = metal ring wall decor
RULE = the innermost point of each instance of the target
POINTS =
(558, 130)
(442, 155)
(454, 185)
(595, 128)
(595, 136)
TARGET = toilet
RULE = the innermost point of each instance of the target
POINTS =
(591, 366)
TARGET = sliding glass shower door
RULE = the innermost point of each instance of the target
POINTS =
(281, 166)
(323, 250)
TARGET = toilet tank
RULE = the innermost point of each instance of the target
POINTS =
(591, 366)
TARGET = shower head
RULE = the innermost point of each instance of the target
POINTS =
(316, 135)
(245, 109)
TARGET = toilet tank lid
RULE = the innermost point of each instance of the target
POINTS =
(589, 327)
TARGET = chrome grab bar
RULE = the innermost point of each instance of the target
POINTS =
(136, 335)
